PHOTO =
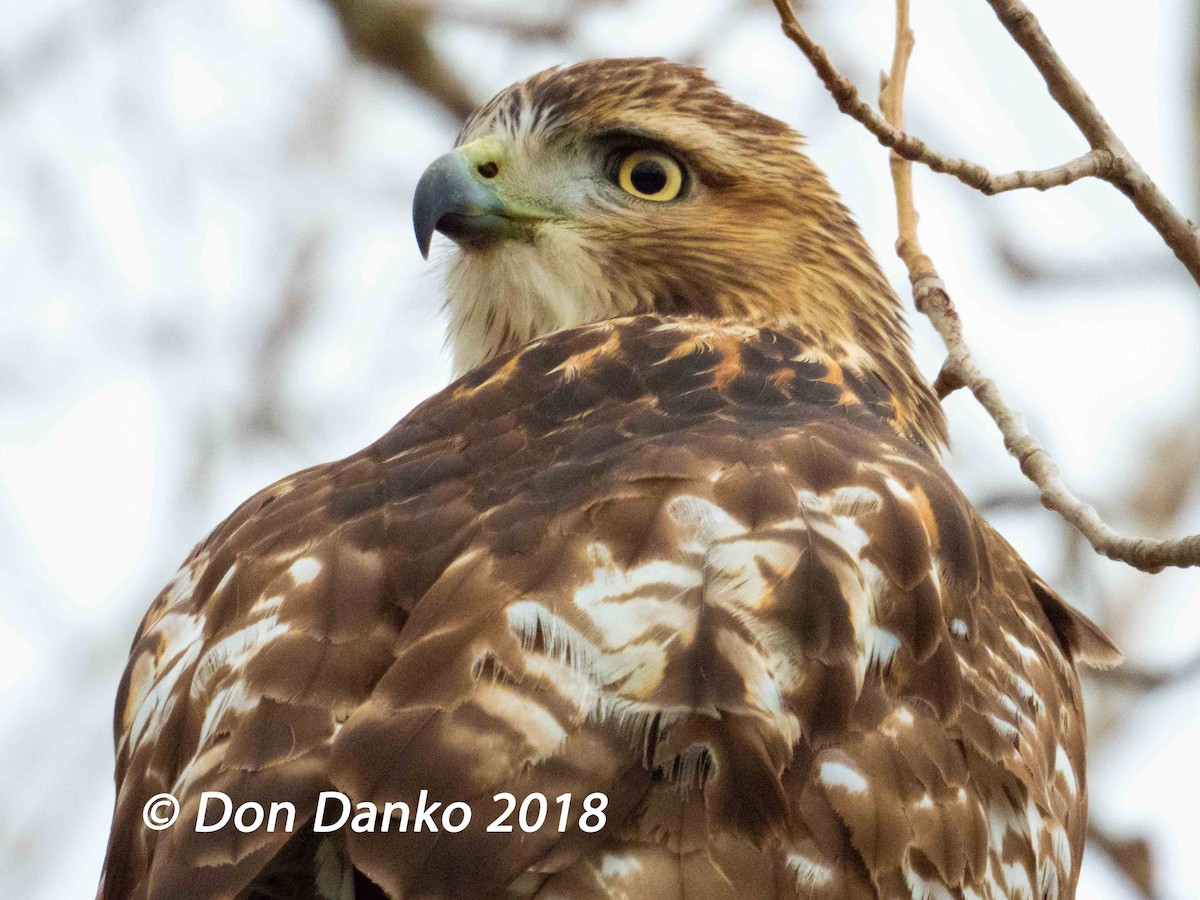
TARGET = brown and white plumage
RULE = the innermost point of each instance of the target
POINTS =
(678, 535)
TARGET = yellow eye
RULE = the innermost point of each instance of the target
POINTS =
(650, 175)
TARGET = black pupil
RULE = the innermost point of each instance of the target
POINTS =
(648, 177)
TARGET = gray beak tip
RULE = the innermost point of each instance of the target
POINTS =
(448, 188)
(429, 204)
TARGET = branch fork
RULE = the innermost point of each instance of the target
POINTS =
(1108, 159)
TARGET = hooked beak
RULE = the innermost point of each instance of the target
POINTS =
(453, 198)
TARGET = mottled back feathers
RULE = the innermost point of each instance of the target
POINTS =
(682, 563)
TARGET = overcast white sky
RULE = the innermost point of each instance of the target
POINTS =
(171, 173)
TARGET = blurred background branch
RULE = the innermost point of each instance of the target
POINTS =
(394, 34)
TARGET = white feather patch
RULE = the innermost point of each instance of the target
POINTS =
(842, 775)
(808, 872)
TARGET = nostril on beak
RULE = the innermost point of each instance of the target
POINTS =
(488, 169)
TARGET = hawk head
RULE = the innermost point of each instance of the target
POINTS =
(620, 186)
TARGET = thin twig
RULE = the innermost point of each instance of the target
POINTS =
(1143, 553)
(932, 298)
(1108, 159)
(1094, 163)
(1177, 232)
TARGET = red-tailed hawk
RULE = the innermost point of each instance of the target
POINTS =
(676, 547)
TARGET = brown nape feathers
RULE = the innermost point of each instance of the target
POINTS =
(674, 556)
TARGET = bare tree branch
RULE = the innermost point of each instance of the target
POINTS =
(1143, 553)
(845, 94)
(1108, 159)
(1177, 232)
(931, 296)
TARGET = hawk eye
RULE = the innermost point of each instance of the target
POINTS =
(650, 175)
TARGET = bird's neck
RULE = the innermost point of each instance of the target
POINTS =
(503, 298)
